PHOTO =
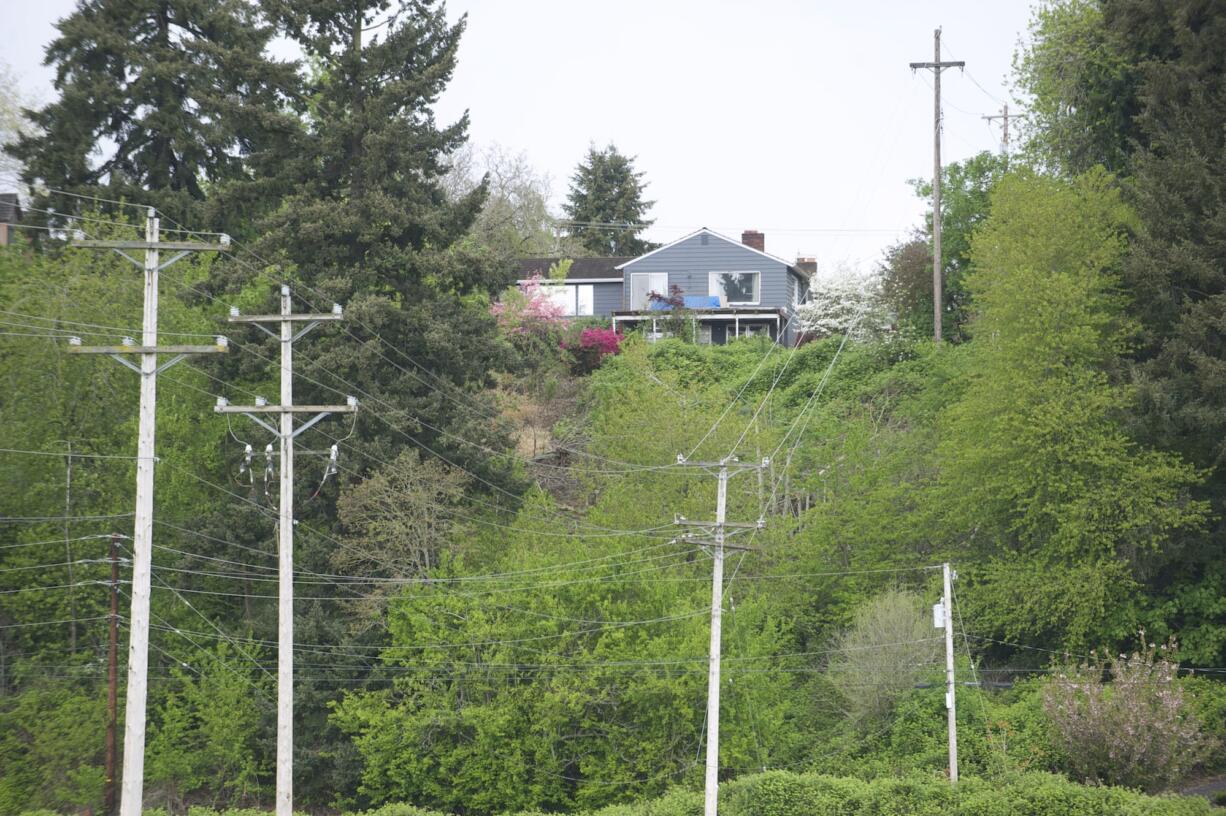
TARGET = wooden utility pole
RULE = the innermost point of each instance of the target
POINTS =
(142, 539)
(1004, 116)
(938, 297)
(112, 682)
(716, 534)
(72, 592)
(286, 432)
(946, 622)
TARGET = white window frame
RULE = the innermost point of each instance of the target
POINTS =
(645, 304)
(574, 298)
(717, 290)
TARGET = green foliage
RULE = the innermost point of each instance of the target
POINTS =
(890, 642)
(204, 741)
(46, 762)
(606, 192)
(179, 92)
(1037, 468)
(966, 189)
(780, 793)
(1082, 88)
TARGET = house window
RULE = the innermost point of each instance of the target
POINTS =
(643, 284)
(574, 299)
(736, 288)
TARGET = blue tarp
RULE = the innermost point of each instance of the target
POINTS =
(689, 301)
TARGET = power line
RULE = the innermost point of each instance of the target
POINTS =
(38, 519)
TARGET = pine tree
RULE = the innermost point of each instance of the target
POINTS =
(606, 204)
(177, 95)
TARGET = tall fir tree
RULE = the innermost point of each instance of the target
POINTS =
(606, 204)
(161, 102)
(368, 222)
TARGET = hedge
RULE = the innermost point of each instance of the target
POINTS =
(781, 793)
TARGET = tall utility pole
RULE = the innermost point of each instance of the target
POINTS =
(946, 622)
(938, 297)
(716, 534)
(285, 433)
(1004, 116)
(72, 594)
(142, 539)
(112, 683)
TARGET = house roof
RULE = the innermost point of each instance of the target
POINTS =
(10, 208)
(713, 234)
(581, 268)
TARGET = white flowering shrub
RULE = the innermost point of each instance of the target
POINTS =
(1126, 721)
(841, 304)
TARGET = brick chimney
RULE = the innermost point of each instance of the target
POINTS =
(806, 266)
(755, 239)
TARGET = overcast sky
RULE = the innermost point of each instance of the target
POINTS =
(799, 118)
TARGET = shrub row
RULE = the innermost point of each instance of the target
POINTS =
(780, 793)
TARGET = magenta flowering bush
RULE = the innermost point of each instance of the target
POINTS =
(591, 347)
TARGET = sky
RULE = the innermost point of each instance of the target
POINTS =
(798, 118)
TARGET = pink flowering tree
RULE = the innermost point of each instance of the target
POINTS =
(528, 309)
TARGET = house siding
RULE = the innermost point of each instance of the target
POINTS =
(689, 263)
(606, 298)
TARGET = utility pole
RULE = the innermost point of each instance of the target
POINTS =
(938, 298)
(1004, 116)
(285, 433)
(112, 682)
(944, 619)
(716, 534)
(142, 539)
(72, 592)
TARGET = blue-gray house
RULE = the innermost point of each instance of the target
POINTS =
(728, 288)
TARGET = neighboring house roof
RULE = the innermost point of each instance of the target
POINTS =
(10, 208)
(581, 269)
(713, 234)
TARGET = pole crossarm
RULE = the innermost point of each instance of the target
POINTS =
(173, 246)
(737, 525)
(291, 409)
(939, 65)
(219, 348)
(293, 318)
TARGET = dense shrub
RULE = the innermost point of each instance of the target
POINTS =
(589, 348)
(1138, 729)
(781, 793)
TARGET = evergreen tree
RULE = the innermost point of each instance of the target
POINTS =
(368, 221)
(606, 192)
(176, 95)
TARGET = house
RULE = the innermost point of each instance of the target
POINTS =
(593, 286)
(727, 288)
(10, 214)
